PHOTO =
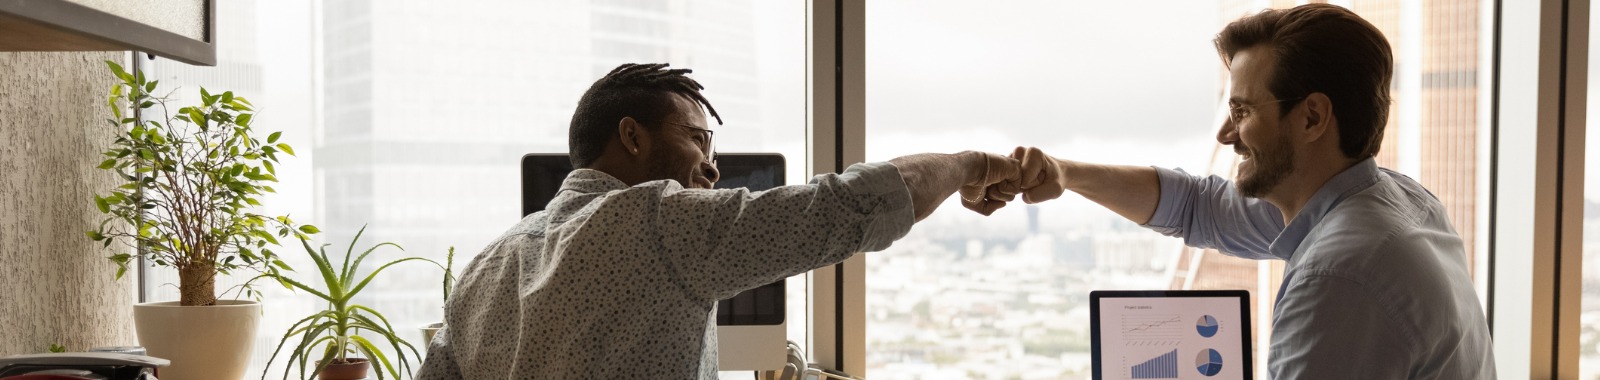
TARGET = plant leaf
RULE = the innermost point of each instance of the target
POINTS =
(304, 287)
(335, 289)
(117, 69)
(374, 273)
(374, 355)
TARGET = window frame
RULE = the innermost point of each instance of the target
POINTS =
(1540, 79)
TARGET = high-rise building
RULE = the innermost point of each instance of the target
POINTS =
(429, 109)
(1443, 110)
(242, 68)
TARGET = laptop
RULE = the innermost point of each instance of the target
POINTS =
(750, 326)
(1171, 334)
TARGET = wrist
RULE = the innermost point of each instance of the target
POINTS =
(975, 165)
(1067, 168)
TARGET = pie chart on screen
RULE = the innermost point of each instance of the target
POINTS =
(1208, 362)
(1207, 326)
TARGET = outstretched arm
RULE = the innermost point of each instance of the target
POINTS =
(1130, 191)
(1207, 212)
(932, 177)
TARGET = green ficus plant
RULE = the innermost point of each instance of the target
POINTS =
(330, 335)
(188, 182)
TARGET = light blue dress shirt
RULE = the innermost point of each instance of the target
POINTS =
(1376, 285)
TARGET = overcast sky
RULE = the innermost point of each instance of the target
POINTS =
(1045, 72)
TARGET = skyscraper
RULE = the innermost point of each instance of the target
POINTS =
(429, 109)
(1444, 117)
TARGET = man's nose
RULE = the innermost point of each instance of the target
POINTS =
(1228, 135)
(710, 171)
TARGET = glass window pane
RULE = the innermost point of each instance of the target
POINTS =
(1005, 296)
(416, 125)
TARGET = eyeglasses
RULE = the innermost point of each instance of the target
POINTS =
(705, 139)
(1238, 112)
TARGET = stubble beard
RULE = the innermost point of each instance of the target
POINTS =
(661, 166)
(1269, 169)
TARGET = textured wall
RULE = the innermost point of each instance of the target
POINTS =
(56, 285)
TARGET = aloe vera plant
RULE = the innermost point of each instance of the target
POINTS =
(335, 329)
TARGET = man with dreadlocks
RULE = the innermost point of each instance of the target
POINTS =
(618, 278)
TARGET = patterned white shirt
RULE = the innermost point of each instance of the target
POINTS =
(619, 282)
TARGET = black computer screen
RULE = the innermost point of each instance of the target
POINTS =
(541, 180)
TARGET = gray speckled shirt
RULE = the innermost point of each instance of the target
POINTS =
(1376, 284)
(619, 282)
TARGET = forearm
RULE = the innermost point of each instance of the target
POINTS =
(1130, 191)
(932, 177)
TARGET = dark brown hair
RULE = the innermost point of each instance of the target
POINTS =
(1328, 49)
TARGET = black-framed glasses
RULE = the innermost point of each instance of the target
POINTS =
(1237, 112)
(707, 143)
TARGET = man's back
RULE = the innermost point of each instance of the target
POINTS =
(617, 282)
(1376, 283)
(1380, 269)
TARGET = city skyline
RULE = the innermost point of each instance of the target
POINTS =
(979, 126)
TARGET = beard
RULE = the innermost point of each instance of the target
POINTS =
(662, 165)
(1267, 168)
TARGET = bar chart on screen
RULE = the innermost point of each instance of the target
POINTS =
(1160, 367)
(1170, 335)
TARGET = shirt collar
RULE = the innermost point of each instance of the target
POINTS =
(1358, 177)
(591, 181)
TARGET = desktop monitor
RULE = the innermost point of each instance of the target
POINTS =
(750, 326)
(1170, 334)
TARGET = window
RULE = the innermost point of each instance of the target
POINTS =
(964, 296)
(410, 118)
(1589, 317)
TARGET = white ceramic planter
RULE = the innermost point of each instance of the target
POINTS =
(203, 342)
(428, 331)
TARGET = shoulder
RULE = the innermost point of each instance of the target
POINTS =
(1392, 236)
(1393, 217)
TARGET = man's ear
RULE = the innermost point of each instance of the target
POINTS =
(1319, 122)
(633, 135)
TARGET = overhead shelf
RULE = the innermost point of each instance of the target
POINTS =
(60, 25)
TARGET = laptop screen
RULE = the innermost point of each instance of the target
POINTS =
(542, 175)
(1171, 334)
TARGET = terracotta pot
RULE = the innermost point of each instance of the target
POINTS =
(353, 369)
(203, 342)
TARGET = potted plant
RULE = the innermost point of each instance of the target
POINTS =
(449, 279)
(188, 182)
(330, 335)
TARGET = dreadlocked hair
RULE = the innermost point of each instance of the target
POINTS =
(640, 91)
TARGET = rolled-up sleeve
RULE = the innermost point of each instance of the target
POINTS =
(722, 242)
(1209, 212)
